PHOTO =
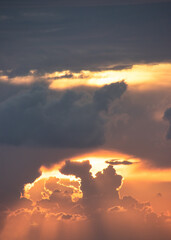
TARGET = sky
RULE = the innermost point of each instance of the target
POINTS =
(85, 119)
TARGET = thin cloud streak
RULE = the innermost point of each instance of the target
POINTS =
(119, 162)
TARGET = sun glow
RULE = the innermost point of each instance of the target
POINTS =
(97, 160)
(159, 74)
(136, 170)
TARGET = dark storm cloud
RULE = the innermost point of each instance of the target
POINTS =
(43, 117)
(167, 116)
(83, 37)
(34, 115)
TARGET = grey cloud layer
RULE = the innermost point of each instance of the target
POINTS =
(83, 38)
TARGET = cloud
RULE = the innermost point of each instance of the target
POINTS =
(120, 67)
(167, 116)
(106, 221)
(55, 125)
(128, 202)
(159, 194)
(118, 162)
(98, 192)
(138, 127)
(107, 94)
(58, 38)
(66, 216)
(20, 165)
(70, 122)
(44, 117)
(35, 120)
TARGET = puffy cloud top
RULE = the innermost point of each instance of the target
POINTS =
(39, 116)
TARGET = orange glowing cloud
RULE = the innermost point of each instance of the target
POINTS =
(63, 200)
(138, 170)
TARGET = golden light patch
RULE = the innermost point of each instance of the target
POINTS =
(4, 78)
(98, 161)
(149, 74)
(23, 80)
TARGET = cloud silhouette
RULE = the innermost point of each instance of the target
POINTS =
(119, 162)
(44, 117)
(98, 192)
(167, 116)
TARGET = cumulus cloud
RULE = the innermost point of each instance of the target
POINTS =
(36, 116)
(106, 221)
(107, 94)
(44, 117)
(98, 192)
